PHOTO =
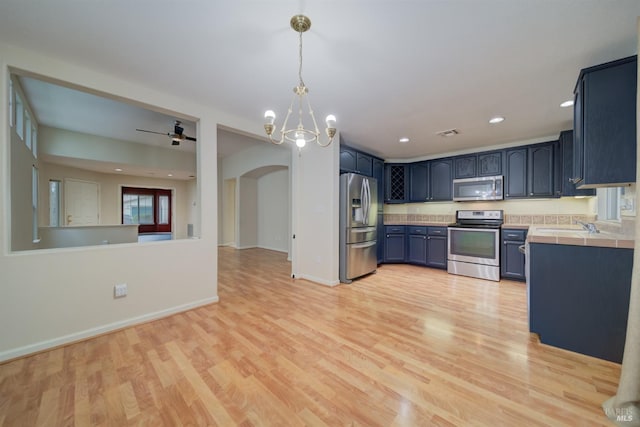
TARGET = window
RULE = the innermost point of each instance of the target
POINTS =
(11, 114)
(608, 204)
(54, 203)
(150, 208)
(34, 203)
(34, 140)
(27, 129)
(19, 117)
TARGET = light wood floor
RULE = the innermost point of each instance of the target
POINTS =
(408, 346)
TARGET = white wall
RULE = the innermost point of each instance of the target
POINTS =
(247, 230)
(273, 211)
(315, 181)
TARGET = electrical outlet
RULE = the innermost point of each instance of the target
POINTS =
(120, 290)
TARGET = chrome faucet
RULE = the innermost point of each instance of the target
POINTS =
(589, 226)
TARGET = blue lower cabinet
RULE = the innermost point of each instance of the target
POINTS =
(512, 261)
(394, 243)
(417, 245)
(579, 297)
(437, 247)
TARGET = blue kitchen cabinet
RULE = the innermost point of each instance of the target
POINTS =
(437, 247)
(394, 243)
(380, 238)
(465, 166)
(515, 185)
(440, 180)
(567, 187)
(512, 261)
(396, 183)
(347, 159)
(540, 170)
(490, 163)
(418, 182)
(579, 297)
(364, 165)
(417, 245)
(604, 124)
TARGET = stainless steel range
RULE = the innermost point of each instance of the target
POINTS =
(474, 244)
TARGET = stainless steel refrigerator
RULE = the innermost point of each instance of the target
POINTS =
(358, 216)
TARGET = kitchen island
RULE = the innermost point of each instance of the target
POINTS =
(578, 289)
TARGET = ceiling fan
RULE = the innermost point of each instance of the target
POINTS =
(176, 137)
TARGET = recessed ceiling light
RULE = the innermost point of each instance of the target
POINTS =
(170, 174)
(566, 104)
(404, 140)
(118, 170)
(496, 119)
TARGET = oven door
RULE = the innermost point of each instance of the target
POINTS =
(474, 245)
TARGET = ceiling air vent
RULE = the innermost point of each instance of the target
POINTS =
(449, 132)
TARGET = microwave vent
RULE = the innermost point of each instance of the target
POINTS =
(448, 132)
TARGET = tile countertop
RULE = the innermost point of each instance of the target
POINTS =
(575, 235)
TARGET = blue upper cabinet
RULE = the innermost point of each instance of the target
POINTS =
(515, 173)
(568, 188)
(440, 180)
(418, 182)
(490, 164)
(465, 166)
(605, 124)
(541, 170)
(347, 159)
(396, 183)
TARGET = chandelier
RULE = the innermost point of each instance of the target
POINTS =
(299, 134)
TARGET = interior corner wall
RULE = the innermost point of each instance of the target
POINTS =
(273, 211)
(315, 213)
(228, 219)
(247, 193)
(221, 199)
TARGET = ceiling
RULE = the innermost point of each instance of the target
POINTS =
(386, 69)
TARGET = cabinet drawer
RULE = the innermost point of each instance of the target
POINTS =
(437, 231)
(417, 230)
(512, 234)
(394, 229)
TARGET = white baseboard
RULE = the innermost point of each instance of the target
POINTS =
(88, 333)
(269, 248)
(319, 281)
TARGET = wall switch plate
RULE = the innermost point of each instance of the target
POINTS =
(120, 290)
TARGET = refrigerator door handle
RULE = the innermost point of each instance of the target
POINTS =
(368, 205)
(363, 229)
(363, 245)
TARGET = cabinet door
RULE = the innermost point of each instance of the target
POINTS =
(395, 183)
(609, 124)
(347, 160)
(380, 240)
(441, 180)
(363, 164)
(378, 174)
(512, 262)
(465, 166)
(417, 244)
(418, 180)
(437, 251)
(394, 248)
(578, 141)
(540, 167)
(490, 164)
(515, 173)
(567, 153)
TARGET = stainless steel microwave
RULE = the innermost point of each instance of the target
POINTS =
(480, 188)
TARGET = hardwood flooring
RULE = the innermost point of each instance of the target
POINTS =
(408, 346)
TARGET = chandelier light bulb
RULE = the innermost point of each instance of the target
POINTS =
(270, 116)
(300, 142)
(331, 121)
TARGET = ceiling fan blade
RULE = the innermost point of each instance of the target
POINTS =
(190, 138)
(150, 131)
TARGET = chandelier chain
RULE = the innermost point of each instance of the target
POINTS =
(300, 58)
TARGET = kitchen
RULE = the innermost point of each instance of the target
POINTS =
(314, 260)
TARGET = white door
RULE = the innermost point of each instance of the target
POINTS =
(81, 202)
